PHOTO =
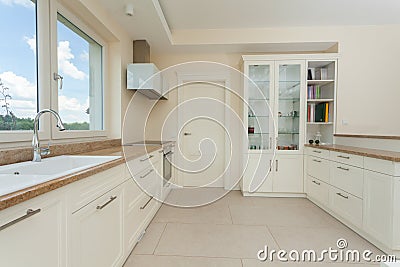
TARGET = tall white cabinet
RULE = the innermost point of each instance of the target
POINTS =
(275, 113)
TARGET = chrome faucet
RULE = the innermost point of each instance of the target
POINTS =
(38, 152)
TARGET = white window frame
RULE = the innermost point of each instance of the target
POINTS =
(46, 35)
(55, 8)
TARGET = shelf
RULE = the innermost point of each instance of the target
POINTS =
(320, 100)
(289, 117)
(290, 99)
(289, 133)
(256, 116)
(319, 82)
(258, 134)
(320, 123)
(259, 81)
(258, 99)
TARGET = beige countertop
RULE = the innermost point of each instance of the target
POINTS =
(366, 152)
(131, 152)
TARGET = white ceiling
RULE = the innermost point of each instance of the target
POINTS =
(158, 20)
(226, 14)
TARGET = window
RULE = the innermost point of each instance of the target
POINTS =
(80, 101)
(18, 72)
(29, 65)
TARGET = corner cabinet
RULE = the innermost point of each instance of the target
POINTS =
(275, 114)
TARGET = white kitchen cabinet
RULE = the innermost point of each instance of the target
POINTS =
(288, 174)
(318, 191)
(97, 232)
(257, 174)
(346, 206)
(37, 238)
(378, 206)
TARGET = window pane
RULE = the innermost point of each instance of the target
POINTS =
(18, 73)
(80, 102)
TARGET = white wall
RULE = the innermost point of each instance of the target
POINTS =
(368, 83)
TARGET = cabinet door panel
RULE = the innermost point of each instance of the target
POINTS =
(378, 199)
(37, 241)
(288, 175)
(318, 190)
(97, 234)
(346, 205)
(258, 173)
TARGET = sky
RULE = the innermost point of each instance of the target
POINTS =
(18, 63)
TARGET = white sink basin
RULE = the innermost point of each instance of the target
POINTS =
(18, 176)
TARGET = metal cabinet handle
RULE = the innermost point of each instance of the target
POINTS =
(105, 204)
(317, 160)
(343, 157)
(29, 213)
(344, 169)
(147, 173)
(270, 165)
(315, 182)
(343, 196)
(187, 133)
(276, 165)
(149, 157)
(145, 205)
(316, 151)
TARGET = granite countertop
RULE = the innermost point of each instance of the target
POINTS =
(131, 152)
(366, 152)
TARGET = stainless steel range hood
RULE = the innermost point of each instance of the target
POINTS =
(142, 75)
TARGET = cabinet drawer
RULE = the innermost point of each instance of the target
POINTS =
(87, 190)
(318, 190)
(317, 152)
(139, 164)
(149, 181)
(136, 219)
(347, 178)
(318, 168)
(346, 205)
(349, 159)
(380, 165)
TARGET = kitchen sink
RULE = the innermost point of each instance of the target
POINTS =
(18, 176)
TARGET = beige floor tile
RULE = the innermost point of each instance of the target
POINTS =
(280, 215)
(289, 238)
(176, 261)
(236, 198)
(257, 263)
(274, 201)
(150, 240)
(207, 240)
(214, 214)
(192, 197)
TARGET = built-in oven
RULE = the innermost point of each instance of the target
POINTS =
(167, 164)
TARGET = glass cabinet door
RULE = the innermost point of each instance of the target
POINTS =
(288, 107)
(259, 95)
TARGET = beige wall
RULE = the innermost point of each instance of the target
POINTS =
(368, 84)
(119, 55)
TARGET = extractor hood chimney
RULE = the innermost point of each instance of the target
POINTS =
(141, 70)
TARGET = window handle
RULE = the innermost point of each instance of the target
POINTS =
(57, 77)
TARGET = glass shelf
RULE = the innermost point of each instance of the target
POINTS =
(257, 116)
(288, 133)
(288, 117)
(258, 99)
(258, 133)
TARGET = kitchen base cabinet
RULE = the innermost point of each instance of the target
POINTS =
(346, 206)
(38, 238)
(318, 190)
(97, 232)
(280, 175)
(288, 170)
(378, 206)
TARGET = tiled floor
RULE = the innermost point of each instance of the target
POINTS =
(232, 230)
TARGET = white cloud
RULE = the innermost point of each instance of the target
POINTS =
(20, 87)
(71, 110)
(84, 56)
(64, 61)
(23, 108)
(31, 42)
(24, 3)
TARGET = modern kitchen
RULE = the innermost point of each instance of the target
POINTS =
(199, 133)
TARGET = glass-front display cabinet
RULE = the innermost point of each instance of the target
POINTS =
(274, 105)
(259, 97)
